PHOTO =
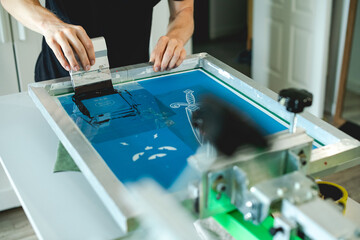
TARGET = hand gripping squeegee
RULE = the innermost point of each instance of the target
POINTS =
(97, 81)
(95, 95)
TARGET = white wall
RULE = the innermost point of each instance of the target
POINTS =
(160, 22)
(353, 81)
(226, 17)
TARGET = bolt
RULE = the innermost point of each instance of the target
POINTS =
(280, 192)
(248, 216)
(297, 186)
(221, 187)
(302, 157)
(310, 194)
(274, 231)
(249, 204)
(303, 162)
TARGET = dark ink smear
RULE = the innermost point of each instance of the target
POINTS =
(95, 92)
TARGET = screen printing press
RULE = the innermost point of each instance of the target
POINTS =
(144, 150)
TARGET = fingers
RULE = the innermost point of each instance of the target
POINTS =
(152, 56)
(181, 58)
(62, 40)
(80, 50)
(67, 41)
(175, 57)
(168, 54)
(55, 47)
(159, 52)
(88, 45)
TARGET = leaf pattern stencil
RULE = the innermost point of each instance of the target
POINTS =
(167, 148)
(159, 155)
(137, 156)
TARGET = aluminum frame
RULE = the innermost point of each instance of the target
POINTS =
(340, 150)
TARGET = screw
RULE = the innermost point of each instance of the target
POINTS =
(249, 204)
(221, 187)
(274, 231)
(280, 192)
(302, 157)
(248, 217)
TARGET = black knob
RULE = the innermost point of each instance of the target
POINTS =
(274, 231)
(225, 127)
(295, 100)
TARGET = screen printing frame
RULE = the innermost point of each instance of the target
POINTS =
(336, 150)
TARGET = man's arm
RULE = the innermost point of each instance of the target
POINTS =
(61, 37)
(169, 51)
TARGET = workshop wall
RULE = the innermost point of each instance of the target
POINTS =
(353, 83)
(338, 28)
(226, 17)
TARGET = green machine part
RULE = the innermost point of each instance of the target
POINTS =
(234, 223)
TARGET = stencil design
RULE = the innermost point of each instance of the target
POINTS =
(190, 107)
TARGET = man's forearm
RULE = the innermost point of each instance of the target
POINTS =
(181, 24)
(30, 13)
(64, 39)
(169, 51)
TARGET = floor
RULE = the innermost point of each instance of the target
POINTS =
(14, 224)
(352, 107)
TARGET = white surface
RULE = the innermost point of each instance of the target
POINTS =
(8, 197)
(8, 84)
(8, 78)
(290, 49)
(352, 211)
(61, 205)
(27, 45)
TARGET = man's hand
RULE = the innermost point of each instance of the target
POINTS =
(65, 40)
(169, 51)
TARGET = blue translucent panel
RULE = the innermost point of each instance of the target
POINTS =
(145, 130)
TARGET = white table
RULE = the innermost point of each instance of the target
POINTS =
(59, 206)
(62, 205)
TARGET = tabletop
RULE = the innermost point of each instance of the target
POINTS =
(60, 205)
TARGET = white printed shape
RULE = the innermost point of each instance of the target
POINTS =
(155, 136)
(148, 148)
(124, 144)
(159, 155)
(137, 156)
(167, 148)
(190, 106)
